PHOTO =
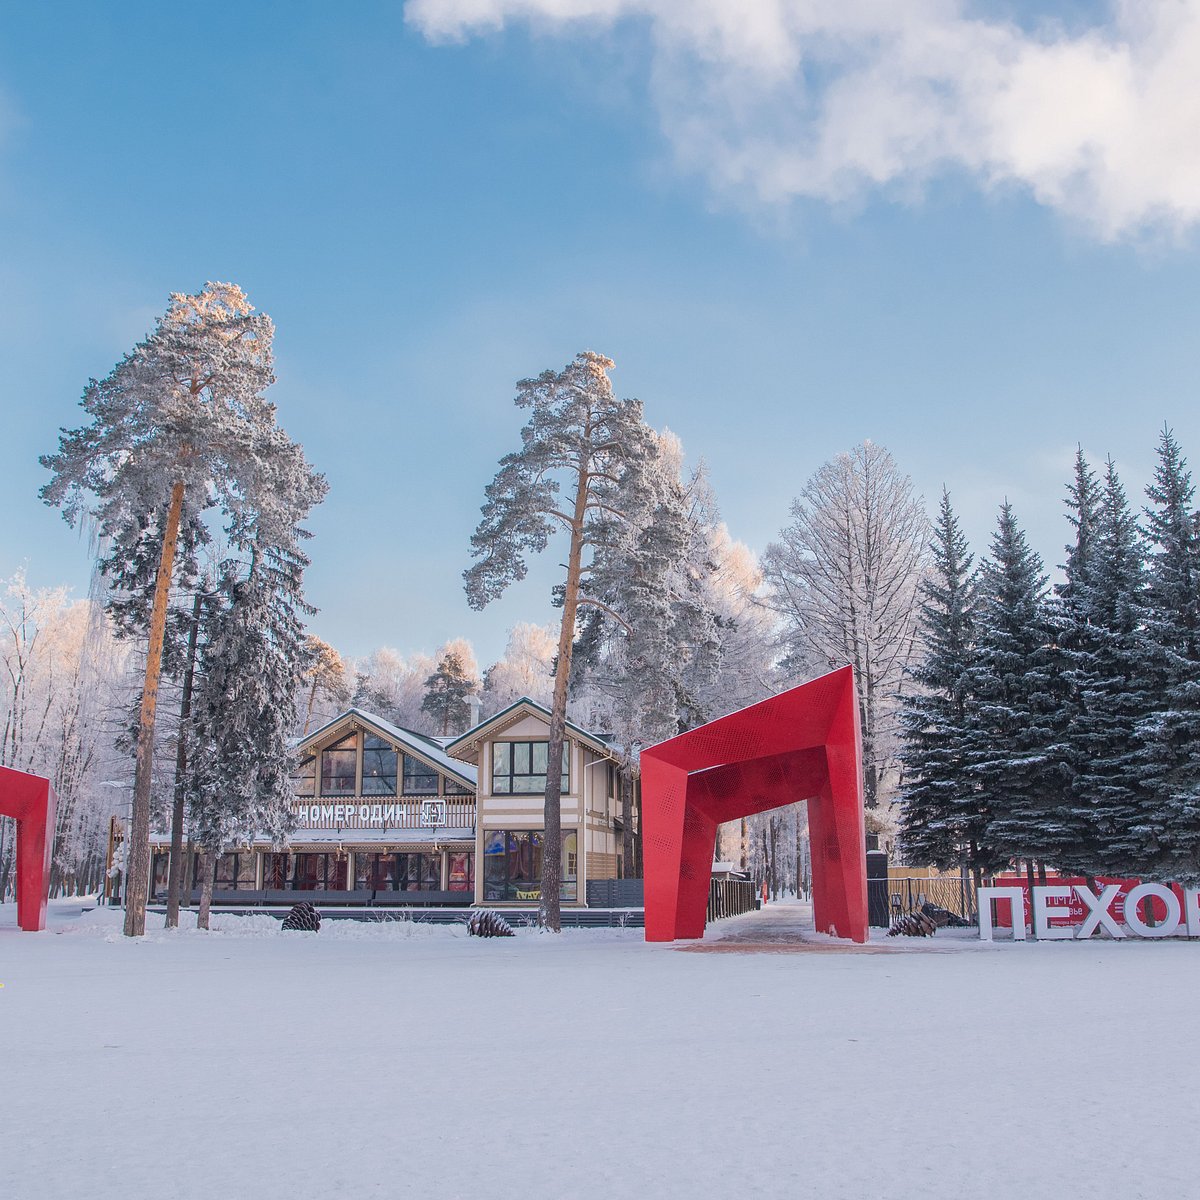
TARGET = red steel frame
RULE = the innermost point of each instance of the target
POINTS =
(31, 801)
(803, 744)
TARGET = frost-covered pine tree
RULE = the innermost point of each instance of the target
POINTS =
(253, 667)
(651, 654)
(567, 478)
(180, 420)
(942, 822)
(448, 692)
(1104, 653)
(1010, 748)
(1169, 766)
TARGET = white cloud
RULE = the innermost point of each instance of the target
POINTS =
(773, 100)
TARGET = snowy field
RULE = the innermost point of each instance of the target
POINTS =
(398, 1060)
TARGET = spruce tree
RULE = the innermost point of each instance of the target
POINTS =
(1169, 825)
(254, 660)
(1105, 656)
(1071, 618)
(1010, 747)
(942, 821)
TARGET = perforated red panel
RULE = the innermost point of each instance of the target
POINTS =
(31, 801)
(802, 745)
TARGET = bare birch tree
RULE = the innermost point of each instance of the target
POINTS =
(845, 575)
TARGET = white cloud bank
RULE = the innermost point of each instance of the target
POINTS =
(773, 100)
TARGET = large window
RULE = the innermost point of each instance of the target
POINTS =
(462, 872)
(520, 768)
(338, 765)
(398, 872)
(318, 872)
(304, 781)
(275, 871)
(159, 873)
(420, 779)
(512, 864)
(379, 767)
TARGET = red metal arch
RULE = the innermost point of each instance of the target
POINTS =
(802, 744)
(31, 801)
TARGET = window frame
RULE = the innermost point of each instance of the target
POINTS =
(427, 769)
(383, 748)
(340, 747)
(570, 892)
(510, 753)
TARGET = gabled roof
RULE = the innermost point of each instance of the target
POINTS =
(466, 744)
(423, 747)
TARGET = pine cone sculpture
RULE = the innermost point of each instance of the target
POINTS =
(303, 917)
(486, 923)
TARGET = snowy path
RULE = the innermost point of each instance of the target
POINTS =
(395, 1061)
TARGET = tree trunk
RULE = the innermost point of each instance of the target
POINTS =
(640, 873)
(175, 870)
(208, 866)
(625, 779)
(550, 908)
(799, 860)
(187, 876)
(312, 699)
(137, 877)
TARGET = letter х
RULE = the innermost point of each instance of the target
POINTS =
(1098, 913)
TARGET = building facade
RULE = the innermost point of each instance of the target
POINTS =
(386, 816)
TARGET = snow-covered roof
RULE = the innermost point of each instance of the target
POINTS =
(428, 748)
(466, 743)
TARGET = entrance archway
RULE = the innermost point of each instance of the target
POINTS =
(802, 744)
(31, 801)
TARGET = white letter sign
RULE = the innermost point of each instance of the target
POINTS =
(1016, 900)
(1043, 910)
(1098, 913)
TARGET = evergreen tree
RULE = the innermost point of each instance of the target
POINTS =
(942, 822)
(179, 420)
(1011, 745)
(254, 662)
(447, 694)
(1104, 651)
(581, 438)
(1071, 619)
(651, 653)
(1169, 827)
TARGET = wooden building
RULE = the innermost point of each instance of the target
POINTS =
(385, 816)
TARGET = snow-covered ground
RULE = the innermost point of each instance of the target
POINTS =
(399, 1060)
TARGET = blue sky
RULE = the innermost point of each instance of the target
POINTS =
(427, 222)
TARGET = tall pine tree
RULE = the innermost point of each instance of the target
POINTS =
(568, 476)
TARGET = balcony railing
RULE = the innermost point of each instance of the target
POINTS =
(433, 813)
